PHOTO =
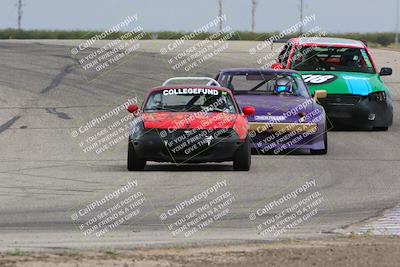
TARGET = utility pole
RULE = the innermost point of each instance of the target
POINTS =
(19, 13)
(220, 15)
(397, 23)
(253, 15)
(301, 16)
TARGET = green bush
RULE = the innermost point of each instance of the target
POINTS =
(383, 39)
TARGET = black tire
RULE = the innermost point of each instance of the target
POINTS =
(381, 129)
(135, 163)
(321, 151)
(242, 157)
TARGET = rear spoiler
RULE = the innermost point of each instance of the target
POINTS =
(285, 40)
(211, 81)
(365, 42)
(279, 41)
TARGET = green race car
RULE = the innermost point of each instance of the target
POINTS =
(357, 96)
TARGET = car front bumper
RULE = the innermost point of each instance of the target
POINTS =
(358, 111)
(279, 137)
(151, 146)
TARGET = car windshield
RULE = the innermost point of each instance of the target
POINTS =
(316, 58)
(190, 100)
(261, 83)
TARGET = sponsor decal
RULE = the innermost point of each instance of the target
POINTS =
(358, 85)
(312, 79)
(355, 78)
(190, 91)
(269, 118)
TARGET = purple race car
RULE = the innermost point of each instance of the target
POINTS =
(287, 117)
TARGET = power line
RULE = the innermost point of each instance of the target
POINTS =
(301, 16)
(19, 19)
(253, 15)
(397, 23)
(220, 15)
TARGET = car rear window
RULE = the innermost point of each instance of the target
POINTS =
(190, 100)
(318, 58)
(261, 83)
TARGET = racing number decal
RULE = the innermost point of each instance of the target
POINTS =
(318, 79)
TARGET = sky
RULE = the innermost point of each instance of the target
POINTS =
(187, 15)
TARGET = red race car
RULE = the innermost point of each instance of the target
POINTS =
(356, 98)
(189, 124)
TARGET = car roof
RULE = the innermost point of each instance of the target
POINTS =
(325, 41)
(259, 70)
(160, 88)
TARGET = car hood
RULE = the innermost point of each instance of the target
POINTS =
(353, 83)
(188, 120)
(274, 108)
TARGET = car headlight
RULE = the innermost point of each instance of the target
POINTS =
(377, 96)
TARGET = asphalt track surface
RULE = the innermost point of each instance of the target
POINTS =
(45, 176)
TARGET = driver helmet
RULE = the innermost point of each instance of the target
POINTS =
(310, 56)
(283, 85)
(347, 59)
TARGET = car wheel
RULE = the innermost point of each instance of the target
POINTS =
(242, 157)
(321, 151)
(135, 163)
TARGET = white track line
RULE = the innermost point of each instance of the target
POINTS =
(389, 224)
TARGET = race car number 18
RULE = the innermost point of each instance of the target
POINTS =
(318, 79)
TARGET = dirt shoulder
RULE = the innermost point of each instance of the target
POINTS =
(348, 251)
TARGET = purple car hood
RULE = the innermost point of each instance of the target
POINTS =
(275, 108)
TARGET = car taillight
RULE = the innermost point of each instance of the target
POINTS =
(148, 121)
(240, 127)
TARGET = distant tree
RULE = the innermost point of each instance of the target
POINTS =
(384, 39)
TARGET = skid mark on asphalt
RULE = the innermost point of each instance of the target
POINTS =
(58, 79)
(8, 124)
(389, 224)
(44, 189)
(51, 177)
(61, 115)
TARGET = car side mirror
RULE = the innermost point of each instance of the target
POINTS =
(132, 108)
(249, 110)
(320, 94)
(277, 66)
(386, 72)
